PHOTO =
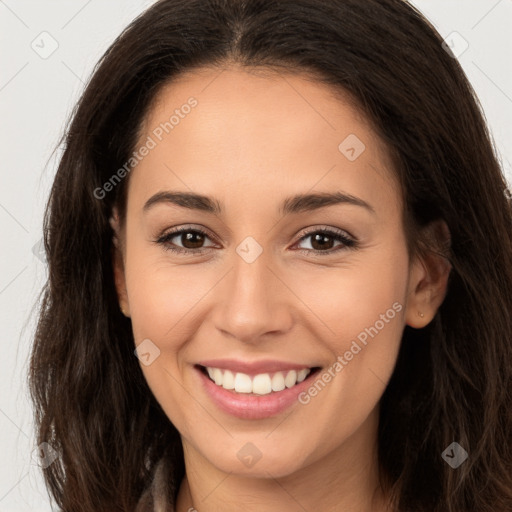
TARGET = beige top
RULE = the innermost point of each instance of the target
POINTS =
(158, 497)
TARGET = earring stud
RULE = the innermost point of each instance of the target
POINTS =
(420, 313)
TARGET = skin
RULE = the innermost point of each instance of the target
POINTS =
(254, 139)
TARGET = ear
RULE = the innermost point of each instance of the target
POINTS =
(118, 263)
(428, 276)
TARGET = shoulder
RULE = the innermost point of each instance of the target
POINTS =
(158, 495)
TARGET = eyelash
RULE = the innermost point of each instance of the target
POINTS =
(347, 242)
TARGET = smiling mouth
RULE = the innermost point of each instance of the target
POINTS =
(260, 384)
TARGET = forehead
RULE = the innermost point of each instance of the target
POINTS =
(261, 129)
(257, 99)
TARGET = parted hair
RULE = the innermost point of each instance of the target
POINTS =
(453, 378)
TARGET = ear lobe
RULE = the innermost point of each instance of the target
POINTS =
(114, 224)
(429, 276)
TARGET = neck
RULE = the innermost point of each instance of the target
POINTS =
(346, 478)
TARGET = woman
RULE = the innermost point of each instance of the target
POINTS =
(280, 260)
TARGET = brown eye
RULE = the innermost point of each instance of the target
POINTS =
(327, 241)
(192, 239)
(185, 240)
(321, 241)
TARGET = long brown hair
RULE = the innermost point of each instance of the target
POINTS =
(452, 381)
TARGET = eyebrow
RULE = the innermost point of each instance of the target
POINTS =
(292, 205)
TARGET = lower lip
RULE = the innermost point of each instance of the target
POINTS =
(252, 407)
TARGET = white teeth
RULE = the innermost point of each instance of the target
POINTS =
(229, 380)
(261, 384)
(302, 374)
(290, 379)
(217, 376)
(243, 383)
(278, 382)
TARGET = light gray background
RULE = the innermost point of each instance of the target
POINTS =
(37, 95)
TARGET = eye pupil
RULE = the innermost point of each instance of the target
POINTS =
(322, 240)
(193, 237)
(192, 241)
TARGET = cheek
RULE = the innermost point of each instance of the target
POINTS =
(358, 315)
(359, 318)
(162, 301)
(347, 301)
(164, 297)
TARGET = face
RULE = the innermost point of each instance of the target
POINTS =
(290, 271)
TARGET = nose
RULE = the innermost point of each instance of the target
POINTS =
(253, 302)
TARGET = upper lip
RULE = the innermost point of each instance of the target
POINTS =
(253, 367)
